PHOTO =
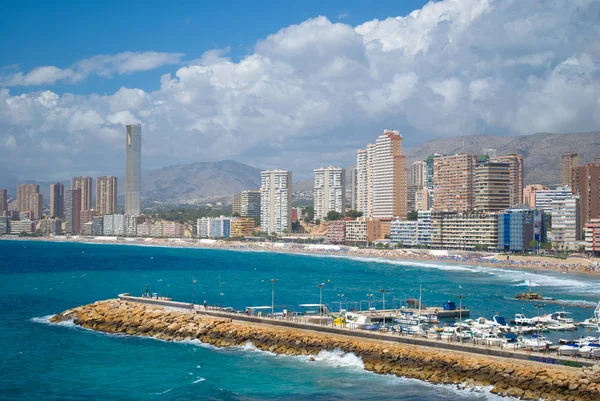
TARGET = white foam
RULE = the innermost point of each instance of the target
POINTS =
(199, 380)
(338, 358)
(46, 320)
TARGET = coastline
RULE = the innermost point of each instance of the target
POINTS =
(433, 257)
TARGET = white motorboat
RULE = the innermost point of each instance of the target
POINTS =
(563, 317)
(535, 343)
(569, 349)
(521, 319)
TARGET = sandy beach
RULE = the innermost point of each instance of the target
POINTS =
(533, 262)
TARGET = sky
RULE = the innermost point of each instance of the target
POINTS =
(283, 84)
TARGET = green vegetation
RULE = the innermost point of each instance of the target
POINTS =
(353, 214)
(188, 214)
(533, 244)
(412, 215)
(308, 213)
(332, 215)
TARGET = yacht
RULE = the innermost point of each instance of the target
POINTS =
(535, 343)
(521, 319)
(563, 317)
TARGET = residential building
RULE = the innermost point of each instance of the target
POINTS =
(86, 216)
(360, 231)
(492, 187)
(544, 198)
(423, 199)
(87, 228)
(515, 172)
(336, 231)
(518, 227)
(249, 203)
(569, 162)
(172, 229)
(25, 194)
(236, 204)
(84, 184)
(113, 225)
(354, 189)
(389, 177)
(276, 201)
(214, 227)
(453, 183)
(97, 225)
(404, 232)
(431, 170)
(106, 195)
(203, 227)
(27, 215)
(50, 226)
(417, 174)
(295, 215)
(529, 194)
(586, 184)
(156, 230)
(72, 211)
(3, 202)
(363, 182)
(57, 200)
(597, 160)
(133, 169)
(130, 225)
(566, 222)
(424, 228)
(37, 205)
(4, 225)
(592, 236)
(242, 227)
(329, 191)
(411, 204)
(143, 229)
(464, 231)
(22, 226)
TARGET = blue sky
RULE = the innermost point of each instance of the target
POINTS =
(283, 84)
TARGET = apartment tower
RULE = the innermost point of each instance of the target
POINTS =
(3, 202)
(453, 183)
(106, 195)
(569, 162)
(586, 184)
(515, 163)
(25, 194)
(57, 201)
(85, 185)
(492, 187)
(329, 191)
(133, 169)
(72, 211)
(276, 201)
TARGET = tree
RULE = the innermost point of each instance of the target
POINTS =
(533, 244)
(412, 215)
(317, 222)
(332, 215)
(236, 214)
(546, 246)
(479, 247)
(309, 213)
(354, 214)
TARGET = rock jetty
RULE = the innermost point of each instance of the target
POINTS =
(526, 380)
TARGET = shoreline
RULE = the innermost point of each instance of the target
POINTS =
(433, 257)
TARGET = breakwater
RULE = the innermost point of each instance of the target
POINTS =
(527, 380)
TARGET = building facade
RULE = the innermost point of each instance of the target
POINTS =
(276, 201)
(516, 172)
(3, 202)
(4, 225)
(417, 174)
(492, 187)
(453, 183)
(529, 194)
(544, 198)
(519, 227)
(37, 205)
(464, 231)
(25, 194)
(423, 199)
(72, 211)
(236, 204)
(250, 203)
(336, 232)
(57, 200)
(329, 191)
(84, 184)
(586, 184)
(133, 169)
(242, 227)
(22, 226)
(362, 181)
(360, 231)
(566, 222)
(592, 237)
(404, 232)
(569, 162)
(106, 195)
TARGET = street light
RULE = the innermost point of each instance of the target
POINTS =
(273, 281)
(321, 285)
(383, 291)
(370, 297)
(341, 297)
(460, 298)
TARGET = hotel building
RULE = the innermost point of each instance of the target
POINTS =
(329, 191)
(276, 201)
(106, 195)
(569, 162)
(492, 187)
(453, 183)
(85, 185)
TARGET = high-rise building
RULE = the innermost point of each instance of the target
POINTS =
(417, 174)
(592, 237)
(246, 203)
(276, 201)
(519, 227)
(106, 195)
(423, 199)
(586, 184)
(515, 169)
(354, 188)
(362, 181)
(529, 194)
(566, 222)
(3, 202)
(329, 191)
(236, 204)
(133, 169)
(466, 231)
(85, 185)
(492, 187)
(72, 211)
(430, 169)
(453, 183)
(569, 162)
(25, 194)
(597, 160)
(389, 177)
(57, 200)
(544, 197)
(37, 206)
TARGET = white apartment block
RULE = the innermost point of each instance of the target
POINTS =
(417, 174)
(362, 181)
(464, 231)
(214, 227)
(544, 197)
(276, 201)
(405, 232)
(566, 221)
(130, 223)
(424, 227)
(113, 224)
(329, 191)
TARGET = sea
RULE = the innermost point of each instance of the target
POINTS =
(43, 361)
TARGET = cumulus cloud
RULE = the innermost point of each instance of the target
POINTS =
(310, 94)
(102, 65)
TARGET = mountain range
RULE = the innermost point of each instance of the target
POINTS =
(210, 180)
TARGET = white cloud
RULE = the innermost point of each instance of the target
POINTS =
(102, 65)
(450, 68)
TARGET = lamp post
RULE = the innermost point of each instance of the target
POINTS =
(321, 285)
(460, 298)
(273, 281)
(370, 297)
(383, 291)
(341, 297)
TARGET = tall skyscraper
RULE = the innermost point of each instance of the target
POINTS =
(362, 181)
(3, 202)
(353, 189)
(85, 185)
(72, 211)
(25, 194)
(569, 162)
(529, 194)
(106, 195)
(57, 200)
(246, 203)
(37, 206)
(515, 163)
(389, 177)
(133, 169)
(453, 183)
(329, 191)
(417, 174)
(430, 170)
(586, 184)
(492, 187)
(236, 204)
(276, 201)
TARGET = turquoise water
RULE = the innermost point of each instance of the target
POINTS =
(40, 361)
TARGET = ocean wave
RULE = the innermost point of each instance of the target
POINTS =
(46, 320)
(199, 380)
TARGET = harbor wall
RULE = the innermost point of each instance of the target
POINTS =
(524, 379)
